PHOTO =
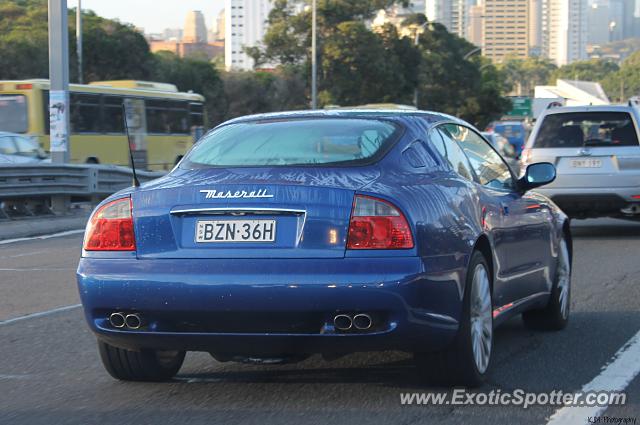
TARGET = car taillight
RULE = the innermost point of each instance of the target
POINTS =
(111, 228)
(377, 224)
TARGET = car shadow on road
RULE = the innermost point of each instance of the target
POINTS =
(533, 360)
(605, 228)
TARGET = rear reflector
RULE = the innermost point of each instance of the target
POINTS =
(24, 86)
(111, 228)
(377, 224)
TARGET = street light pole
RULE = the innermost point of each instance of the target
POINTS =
(59, 81)
(314, 56)
(417, 43)
(79, 40)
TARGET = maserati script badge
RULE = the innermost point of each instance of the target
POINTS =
(220, 194)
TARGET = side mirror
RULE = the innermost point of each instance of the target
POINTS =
(537, 175)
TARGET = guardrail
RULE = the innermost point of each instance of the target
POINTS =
(25, 185)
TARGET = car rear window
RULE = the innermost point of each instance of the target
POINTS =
(309, 141)
(578, 129)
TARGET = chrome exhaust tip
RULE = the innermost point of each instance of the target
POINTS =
(117, 320)
(133, 321)
(362, 321)
(342, 322)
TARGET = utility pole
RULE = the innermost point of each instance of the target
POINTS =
(416, 43)
(314, 56)
(79, 40)
(59, 81)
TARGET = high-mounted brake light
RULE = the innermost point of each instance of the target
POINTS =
(377, 224)
(111, 228)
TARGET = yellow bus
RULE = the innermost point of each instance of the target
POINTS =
(163, 122)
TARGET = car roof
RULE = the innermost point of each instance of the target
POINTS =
(356, 112)
(591, 108)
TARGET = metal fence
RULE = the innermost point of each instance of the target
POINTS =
(51, 187)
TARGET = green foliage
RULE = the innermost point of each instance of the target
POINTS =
(191, 74)
(589, 70)
(624, 83)
(257, 92)
(353, 50)
(470, 89)
(521, 76)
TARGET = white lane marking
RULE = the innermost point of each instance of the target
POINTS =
(25, 254)
(54, 235)
(40, 314)
(13, 376)
(616, 376)
(31, 269)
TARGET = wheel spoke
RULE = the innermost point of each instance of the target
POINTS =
(481, 319)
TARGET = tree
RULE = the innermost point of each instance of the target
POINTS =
(522, 75)
(190, 74)
(353, 50)
(624, 83)
(111, 50)
(471, 89)
(589, 70)
(258, 92)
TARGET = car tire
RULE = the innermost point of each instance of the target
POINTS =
(555, 315)
(459, 363)
(143, 365)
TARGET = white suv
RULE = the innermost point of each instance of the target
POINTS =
(597, 156)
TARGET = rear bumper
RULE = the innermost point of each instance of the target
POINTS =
(272, 307)
(592, 202)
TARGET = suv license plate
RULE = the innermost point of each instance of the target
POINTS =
(586, 163)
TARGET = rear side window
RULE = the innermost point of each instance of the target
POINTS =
(579, 129)
(310, 141)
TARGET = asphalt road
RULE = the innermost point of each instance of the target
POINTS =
(50, 372)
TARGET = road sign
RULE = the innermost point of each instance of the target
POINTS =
(521, 107)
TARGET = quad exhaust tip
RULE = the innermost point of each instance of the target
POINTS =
(133, 321)
(343, 322)
(121, 320)
(362, 321)
(117, 320)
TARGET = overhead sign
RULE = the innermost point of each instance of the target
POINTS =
(521, 107)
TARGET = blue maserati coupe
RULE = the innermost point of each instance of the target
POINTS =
(279, 236)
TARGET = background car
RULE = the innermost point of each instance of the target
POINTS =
(504, 148)
(514, 131)
(18, 149)
(284, 235)
(597, 156)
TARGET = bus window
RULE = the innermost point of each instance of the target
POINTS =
(196, 111)
(112, 114)
(85, 113)
(167, 117)
(13, 113)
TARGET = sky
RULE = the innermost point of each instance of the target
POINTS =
(152, 15)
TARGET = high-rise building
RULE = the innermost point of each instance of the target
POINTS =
(474, 27)
(450, 13)
(535, 27)
(505, 29)
(217, 29)
(195, 30)
(598, 20)
(564, 27)
(245, 26)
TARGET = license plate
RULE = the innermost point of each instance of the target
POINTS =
(586, 163)
(235, 231)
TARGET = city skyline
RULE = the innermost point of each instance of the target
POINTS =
(147, 14)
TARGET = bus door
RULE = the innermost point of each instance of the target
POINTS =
(137, 123)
